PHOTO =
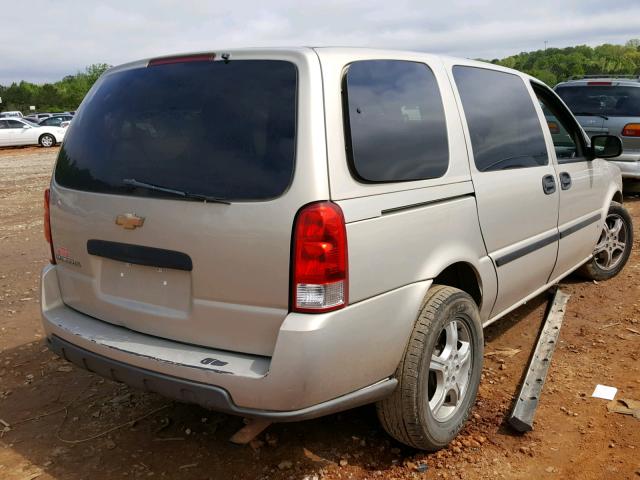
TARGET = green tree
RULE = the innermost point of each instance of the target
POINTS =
(65, 94)
(555, 65)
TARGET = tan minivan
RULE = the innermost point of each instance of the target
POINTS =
(286, 233)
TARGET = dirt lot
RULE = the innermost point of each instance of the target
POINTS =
(64, 423)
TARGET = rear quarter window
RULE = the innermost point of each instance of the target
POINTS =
(395, 123)
(221, 129)
(503, 124)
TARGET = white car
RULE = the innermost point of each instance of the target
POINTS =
(10, 114)
(18, 131)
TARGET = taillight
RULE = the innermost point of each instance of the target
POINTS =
(47, 223)
(209, 57)
(320, 269)
(600, 83)
(631, 130)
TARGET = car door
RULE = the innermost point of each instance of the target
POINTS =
(581, 181)
(17, 133)
(513, 178)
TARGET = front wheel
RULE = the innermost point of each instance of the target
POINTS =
(439, 375)
(614, 245)
(47, 140)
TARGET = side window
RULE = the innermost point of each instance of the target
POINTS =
(3, 124)
(564, 130)
(395, 126)
(15, 124)
(503, 124)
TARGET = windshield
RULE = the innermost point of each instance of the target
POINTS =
(29, 122)
(613, 101)
(221, 129)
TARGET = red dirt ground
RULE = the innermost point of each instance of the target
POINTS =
(53, 408)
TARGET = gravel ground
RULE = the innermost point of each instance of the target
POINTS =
(65, 423)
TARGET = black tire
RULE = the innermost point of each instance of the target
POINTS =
(47, 140)
(593, 269)
(406, 414)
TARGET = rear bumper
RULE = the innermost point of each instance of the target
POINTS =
(208, 396)
(321, 363)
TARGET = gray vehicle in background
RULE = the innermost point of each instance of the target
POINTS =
(609, 105)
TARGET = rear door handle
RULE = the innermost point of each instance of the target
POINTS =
(565, 181)
(548, 184)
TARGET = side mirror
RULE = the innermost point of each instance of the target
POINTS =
(605, 146)
(26, 126)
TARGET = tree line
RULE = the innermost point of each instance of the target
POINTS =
(551, 65)
(61, 96)
(554, 65)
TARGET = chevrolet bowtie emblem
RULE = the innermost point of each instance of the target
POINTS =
(129, 221)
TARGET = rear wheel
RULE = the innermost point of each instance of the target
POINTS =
(439, 373)
(47, 140)
(614, 245)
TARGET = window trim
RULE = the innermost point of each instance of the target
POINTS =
(566, 117)
(346, 123)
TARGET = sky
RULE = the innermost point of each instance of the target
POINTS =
(44, 40)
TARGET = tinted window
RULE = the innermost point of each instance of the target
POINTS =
(603, 100)
(222, 129)
(396, 121)
(563, 142)
(503, 124)
(55, 121)
(564, 130)
(15, 124)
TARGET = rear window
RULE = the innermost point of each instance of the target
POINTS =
(220, 129)
(395, 123)
(613, 101)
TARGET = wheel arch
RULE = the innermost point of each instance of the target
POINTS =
(617, 197)
(464, 276)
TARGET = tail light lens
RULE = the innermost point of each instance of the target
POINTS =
(47, 224)
(320, 269)
(631, 130)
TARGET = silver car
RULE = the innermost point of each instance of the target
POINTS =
(286, 233)
(609, 105)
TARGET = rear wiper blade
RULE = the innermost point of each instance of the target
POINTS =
(589, 114)
(179, 193)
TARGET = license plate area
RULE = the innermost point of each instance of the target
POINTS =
(163, 287)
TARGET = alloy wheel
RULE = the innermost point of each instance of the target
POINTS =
(612, 243)
(450, 369)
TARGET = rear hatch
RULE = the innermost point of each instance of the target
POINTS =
(605, 107)
(172, 201)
